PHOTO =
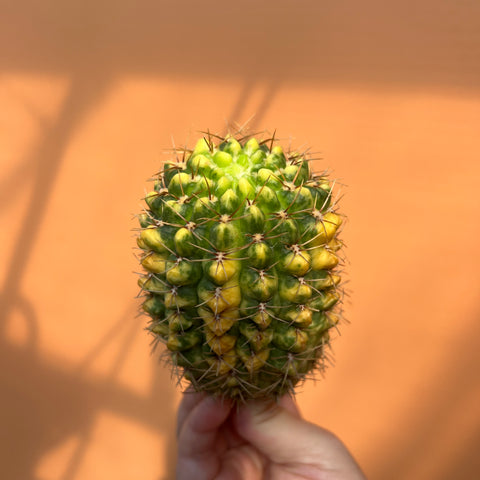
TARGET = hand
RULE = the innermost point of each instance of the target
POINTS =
(256, 441)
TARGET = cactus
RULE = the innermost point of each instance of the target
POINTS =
(239, 243)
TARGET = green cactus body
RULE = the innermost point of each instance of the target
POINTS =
(241, 258)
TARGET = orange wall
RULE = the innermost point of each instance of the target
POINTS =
(90, 97)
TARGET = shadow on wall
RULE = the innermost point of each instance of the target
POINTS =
(43, 405)
(409, 44)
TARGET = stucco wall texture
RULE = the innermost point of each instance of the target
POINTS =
(92, 93)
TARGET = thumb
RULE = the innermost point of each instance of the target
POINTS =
(285, 438)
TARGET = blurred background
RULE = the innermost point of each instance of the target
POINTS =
(92, 93)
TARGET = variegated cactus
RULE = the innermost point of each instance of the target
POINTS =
(240, 250)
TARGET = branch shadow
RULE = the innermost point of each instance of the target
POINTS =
(43, 403)
(44, 162)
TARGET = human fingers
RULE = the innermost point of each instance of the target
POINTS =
(288, 403)
(299, 446)
(199, 441)
(199, 429)
(229, 429)
(189, 400)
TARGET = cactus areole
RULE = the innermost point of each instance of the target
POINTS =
(240, 254)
